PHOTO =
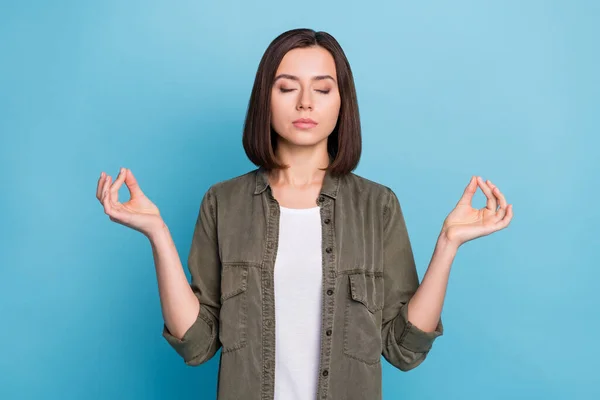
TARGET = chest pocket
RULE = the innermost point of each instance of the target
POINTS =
(234, 306)
(362, 317)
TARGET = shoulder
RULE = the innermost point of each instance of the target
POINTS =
(246, 181)
(232, 190)
(353, 183)
(368, 193)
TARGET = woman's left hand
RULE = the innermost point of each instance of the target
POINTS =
(466, 223)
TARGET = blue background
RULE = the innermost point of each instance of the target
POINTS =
(506, 90)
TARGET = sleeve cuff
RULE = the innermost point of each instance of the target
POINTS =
(412, 338)
(197, 339)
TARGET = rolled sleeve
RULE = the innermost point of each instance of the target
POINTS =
(201, 341)
(412, 338)
(195, 345)
(405, 346)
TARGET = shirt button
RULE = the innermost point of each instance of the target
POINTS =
(327, 220)
(325, 373)
(268, 322)
(329, 250)
(328, 333)
(329, 292)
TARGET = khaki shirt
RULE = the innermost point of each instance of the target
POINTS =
(369, 275)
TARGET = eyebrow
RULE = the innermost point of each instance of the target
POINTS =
(295, 78)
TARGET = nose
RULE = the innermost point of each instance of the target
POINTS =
(304, 102)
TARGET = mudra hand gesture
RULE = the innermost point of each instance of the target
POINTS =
(138, 213)
(466, 223)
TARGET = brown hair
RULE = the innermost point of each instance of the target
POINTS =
(259, 139)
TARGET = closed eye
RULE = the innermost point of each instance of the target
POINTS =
(283, 90)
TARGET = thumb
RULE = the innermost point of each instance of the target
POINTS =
(470, 190)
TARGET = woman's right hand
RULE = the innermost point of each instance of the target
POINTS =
(138, 213)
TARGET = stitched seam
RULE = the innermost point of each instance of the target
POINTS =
(242, 288)
(241, 342)
(359, 271)
(386, 209)
(241, 264)
(347, 350)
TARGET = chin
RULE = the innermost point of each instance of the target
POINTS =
(304, 138)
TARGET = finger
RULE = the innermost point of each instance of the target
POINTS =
(501, 199)
(114, 213)
(496, 192)
(106, 198)
(499, 215)
(100, 187)
(507, 218)
(132, 184)
(470, 190)
(104, 186)
(491, 199)
(114, 188)
(106, 183)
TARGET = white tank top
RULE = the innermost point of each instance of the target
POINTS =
(297, 286)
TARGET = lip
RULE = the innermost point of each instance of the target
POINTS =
(304, 123)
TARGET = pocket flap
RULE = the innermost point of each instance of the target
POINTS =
(367, 289)
(234, 280)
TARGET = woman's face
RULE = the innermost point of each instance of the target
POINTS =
(305, 87)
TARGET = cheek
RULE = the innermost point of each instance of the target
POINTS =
(279, 114)
(332, 109)
(280, 105)
(275, 108)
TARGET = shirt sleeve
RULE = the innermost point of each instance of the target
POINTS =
(201, 341)
(404, 345)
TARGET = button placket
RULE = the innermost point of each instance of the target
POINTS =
(330, 277)
(268, 306)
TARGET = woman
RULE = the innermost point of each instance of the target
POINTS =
(302, 271)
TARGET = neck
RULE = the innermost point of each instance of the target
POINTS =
(304, 167)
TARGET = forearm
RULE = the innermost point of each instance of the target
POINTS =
(179, 305)
(425, 307)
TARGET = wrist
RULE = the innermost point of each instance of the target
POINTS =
(443, 243)
(161, 229)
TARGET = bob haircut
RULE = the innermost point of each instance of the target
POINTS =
(260, 140)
